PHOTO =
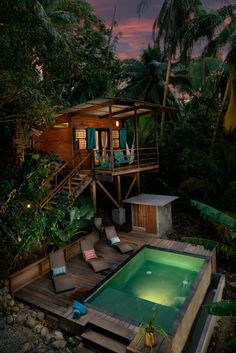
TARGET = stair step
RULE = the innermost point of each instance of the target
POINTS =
(105, 343)
(83, 349)
(114, 329)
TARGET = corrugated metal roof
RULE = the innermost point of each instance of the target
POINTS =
(118, 107)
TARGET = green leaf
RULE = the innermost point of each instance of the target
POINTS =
(224, 308)
(216, 216)
(231, 343)
(208, 244)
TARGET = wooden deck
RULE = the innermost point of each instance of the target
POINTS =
(41, 292)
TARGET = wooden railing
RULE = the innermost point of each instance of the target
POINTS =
(59, 185)
(136, 157)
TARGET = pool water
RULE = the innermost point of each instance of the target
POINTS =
(152, 280)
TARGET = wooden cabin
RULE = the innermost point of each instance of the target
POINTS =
(92, 141)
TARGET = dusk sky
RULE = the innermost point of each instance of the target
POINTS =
(135, 31)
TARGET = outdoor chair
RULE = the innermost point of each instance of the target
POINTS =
(120, 157)
(115, 241)
(62, 281)
(96, 262)
(103, 162)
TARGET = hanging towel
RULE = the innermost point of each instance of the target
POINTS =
(122, 138)
(91, 138)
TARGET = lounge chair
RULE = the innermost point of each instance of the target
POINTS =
(120, 157)
(103, 162)
(115, 241)
(96, 262)
(62, 281)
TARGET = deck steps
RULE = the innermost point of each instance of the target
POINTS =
(103, 342)
(84, 349)
(114, 330)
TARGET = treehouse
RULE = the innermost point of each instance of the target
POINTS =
(97, 148)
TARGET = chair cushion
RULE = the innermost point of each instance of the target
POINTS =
(114, 240)
(63, 283)
(58, 270)
(89, 254)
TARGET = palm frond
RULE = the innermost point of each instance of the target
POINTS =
(216, 216)
(142, 6)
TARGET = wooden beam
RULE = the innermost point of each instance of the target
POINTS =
(131, 186)
(107, 193)
(118, 188)
(93, 192)
(138, 182)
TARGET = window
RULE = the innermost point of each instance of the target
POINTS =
(80, 139)
(115, 139)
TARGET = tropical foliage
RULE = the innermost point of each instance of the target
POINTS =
(53, 53)
(226, 242)
(34, 231)
(224, 308)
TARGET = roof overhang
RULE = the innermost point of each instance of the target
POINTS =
(119, 108)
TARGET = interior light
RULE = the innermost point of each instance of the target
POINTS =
(117, 123)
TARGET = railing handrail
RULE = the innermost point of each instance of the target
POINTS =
(58, 187)
(53, 175)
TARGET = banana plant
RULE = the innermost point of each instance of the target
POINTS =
(226, 230)
(224, 308)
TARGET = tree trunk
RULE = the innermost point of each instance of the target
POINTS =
(162, 130)
(19, 143)
(219, 120)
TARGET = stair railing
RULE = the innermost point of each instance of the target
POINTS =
(59, 186)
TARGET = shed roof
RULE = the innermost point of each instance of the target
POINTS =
(120, 108)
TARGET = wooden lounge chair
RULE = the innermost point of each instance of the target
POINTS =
(62, 281)
(115, 241)
(96, 262)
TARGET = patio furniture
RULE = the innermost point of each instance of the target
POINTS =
(62, 281)
(104, 162)
(115, 241)
(120, 157)
(96, 262)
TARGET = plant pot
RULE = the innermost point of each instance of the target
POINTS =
(150, 339)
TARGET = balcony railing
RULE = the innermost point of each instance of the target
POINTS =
(122, 158)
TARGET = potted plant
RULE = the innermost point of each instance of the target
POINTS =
(147, 333)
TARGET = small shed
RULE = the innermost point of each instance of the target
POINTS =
(151, 213)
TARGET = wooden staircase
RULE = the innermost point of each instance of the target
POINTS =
(73, 182)
(107, 336)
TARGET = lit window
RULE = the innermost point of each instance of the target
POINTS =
(80, 139)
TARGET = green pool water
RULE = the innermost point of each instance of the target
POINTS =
(151, 279)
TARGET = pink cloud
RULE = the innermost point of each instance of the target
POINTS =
(136, 34)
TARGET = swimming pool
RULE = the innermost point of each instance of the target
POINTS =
(153, 278)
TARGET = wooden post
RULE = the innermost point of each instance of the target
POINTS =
(137, 180)
(93, 192)
(118, 188)
(110, 136)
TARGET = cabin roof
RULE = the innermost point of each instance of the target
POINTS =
(119, 108)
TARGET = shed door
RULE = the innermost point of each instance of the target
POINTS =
(144, 216)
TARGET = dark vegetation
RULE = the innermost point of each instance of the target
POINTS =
(58, 53)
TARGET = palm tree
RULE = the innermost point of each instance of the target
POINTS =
(169, 23)
(145, 79)
(218, 28)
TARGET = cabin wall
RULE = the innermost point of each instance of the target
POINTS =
(59, 141)
(55, 141)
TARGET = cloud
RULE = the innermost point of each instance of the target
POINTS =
(136, 34)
